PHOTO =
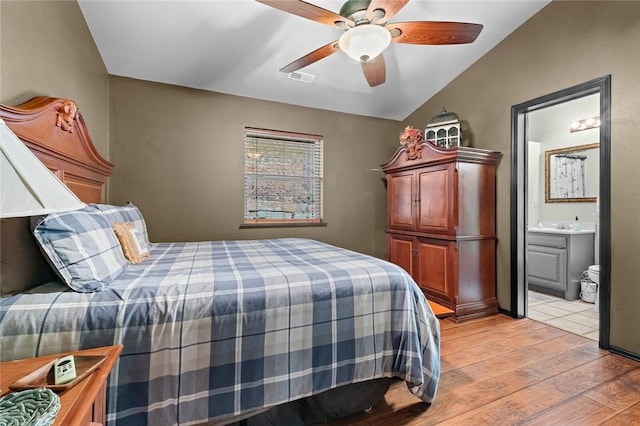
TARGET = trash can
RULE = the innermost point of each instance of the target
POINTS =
(588, 289)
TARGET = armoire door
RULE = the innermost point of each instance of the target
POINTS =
(435, 193)
(401, 251)
(434, 269)
(401, 200)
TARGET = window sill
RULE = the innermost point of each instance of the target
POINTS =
(282, 225)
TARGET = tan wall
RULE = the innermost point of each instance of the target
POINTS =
(565, 44)
(46, 49)
(179, 156)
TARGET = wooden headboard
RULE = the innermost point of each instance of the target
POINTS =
(53, 128)
(55, 131)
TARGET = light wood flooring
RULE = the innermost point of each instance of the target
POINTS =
(501, 371)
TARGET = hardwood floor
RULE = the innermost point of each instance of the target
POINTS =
(501, 371)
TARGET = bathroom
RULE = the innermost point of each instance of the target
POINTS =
(562, 214)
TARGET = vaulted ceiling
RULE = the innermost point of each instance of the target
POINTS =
(239, 46)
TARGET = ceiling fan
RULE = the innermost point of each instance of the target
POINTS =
(368, 34)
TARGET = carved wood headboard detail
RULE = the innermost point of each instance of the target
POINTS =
(54, 130)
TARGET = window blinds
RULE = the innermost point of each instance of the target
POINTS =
(282, 177)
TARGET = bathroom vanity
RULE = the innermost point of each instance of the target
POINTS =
(557, 258)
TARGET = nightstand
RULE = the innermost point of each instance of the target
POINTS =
(83, 404)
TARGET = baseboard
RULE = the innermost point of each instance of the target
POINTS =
(475, 309)
(624, 353)
(508, 313)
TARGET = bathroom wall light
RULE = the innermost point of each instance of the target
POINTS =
(584, 124)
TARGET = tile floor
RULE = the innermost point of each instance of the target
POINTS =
(577, 317)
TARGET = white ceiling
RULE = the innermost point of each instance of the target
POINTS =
(238, 46)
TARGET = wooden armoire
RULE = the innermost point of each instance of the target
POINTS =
(441, 224)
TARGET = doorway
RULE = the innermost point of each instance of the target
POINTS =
(520, 185)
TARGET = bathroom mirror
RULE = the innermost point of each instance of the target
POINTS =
(572, 174)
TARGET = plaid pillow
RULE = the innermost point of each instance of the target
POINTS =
(82, 248)
(126, 213)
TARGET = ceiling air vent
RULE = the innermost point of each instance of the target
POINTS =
(301, 76)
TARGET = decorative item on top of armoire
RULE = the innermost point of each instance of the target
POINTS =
(441, 225)
(412, 138)
(443, 130)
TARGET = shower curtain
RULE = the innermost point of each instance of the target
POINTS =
(567, 176)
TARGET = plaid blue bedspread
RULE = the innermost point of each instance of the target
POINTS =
(218, 329)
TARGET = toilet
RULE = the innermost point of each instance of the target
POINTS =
(594, 275)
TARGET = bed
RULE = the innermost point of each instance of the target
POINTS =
(213, 331)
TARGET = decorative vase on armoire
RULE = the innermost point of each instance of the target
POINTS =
(441, 224)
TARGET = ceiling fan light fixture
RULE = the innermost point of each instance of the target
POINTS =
(365, 42)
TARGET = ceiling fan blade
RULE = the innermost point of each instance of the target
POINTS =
(375, 71)
(390, 8)
(312, 57)
(431, 32)
(309, 11)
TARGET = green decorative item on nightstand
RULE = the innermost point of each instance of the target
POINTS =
(33, 407)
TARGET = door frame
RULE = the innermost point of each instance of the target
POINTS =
(519, 137)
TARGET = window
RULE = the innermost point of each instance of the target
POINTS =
(282, 178)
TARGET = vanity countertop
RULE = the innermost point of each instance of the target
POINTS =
(561, 231)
